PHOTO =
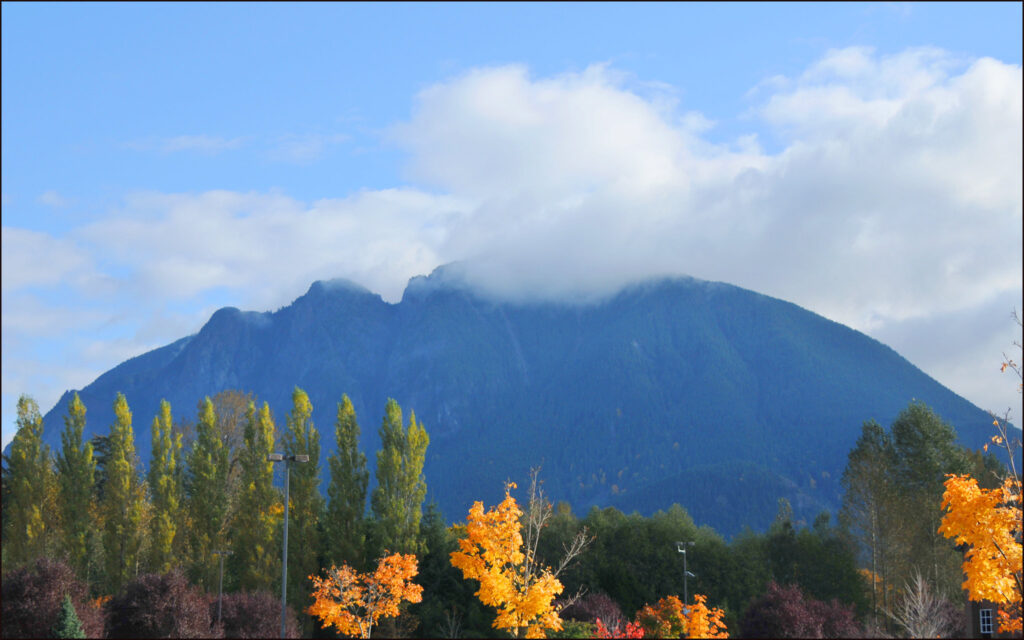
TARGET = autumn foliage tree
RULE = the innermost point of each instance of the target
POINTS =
(669, 618)
(988, 521)
(511, 578)
(353, 602)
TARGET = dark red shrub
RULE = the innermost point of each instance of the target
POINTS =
(837, 619)
(593, 606)
(253, 615)
(784, 612)
(32, 596)
(160, 606)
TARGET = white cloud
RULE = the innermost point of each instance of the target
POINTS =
(33, 258)
(53, 199)
(895, 200)
(302, 149)
(200, 143)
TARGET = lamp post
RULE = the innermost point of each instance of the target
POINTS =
(288, 460)
(681, 548)
(220, 586)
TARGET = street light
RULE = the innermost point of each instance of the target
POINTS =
(220, 587)
(288, 460)
(681, 548)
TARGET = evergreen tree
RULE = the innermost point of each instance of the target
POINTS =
(306, 505)
(166, 491)
(347, 492)
(123, 501)
(206, 490)
(75, 470)
(256, 561)
(401, 488)
(28, 518)
(68, 625)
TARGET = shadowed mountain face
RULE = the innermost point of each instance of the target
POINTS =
(675, 390)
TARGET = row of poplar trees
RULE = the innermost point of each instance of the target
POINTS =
(92, 505)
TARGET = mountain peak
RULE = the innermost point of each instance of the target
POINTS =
(448, 277)
(336, 285)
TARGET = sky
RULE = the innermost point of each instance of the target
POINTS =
(160, 161)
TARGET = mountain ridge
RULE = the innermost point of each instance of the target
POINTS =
(632, 400)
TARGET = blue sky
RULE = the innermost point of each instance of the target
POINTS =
(162, 160)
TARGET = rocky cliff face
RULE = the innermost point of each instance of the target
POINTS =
(673, 390)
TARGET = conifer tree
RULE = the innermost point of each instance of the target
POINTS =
(401, 488)
(123, 500)
(68, 625)
(165, 487)
(302, 438)
(347, 492)
(256, 560)
(75, 471)
(206, 489)
(28, 521)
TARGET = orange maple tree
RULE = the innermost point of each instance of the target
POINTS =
(989, 522)
(671, 619)
(353, 602)
(510, 578)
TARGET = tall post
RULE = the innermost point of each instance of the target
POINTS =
(220, 586)
(686, 593)
(288, 460)
(284, 560)
(681, 548)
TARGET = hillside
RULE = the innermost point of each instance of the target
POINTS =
(672, 390)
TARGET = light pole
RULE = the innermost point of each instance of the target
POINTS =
(288, 460)
(681, 548)
(220, 586)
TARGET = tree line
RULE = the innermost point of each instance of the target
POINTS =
(125, 535)
(209, 487)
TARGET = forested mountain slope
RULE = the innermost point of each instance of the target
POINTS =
(673, 390)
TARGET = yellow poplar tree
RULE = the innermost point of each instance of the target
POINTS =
(354, 602)
(510, 580)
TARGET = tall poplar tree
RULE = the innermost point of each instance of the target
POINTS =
(206, 490)
(123, 500)
(870, 509)
(28, 519)
(255, 562)
(401, 488)
(165, 487)
(346, 509)
(75, 472)
(302, 438)
(926, 450)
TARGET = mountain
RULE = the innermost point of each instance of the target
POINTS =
(671, 390)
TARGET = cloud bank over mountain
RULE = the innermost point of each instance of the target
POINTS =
(882, 191)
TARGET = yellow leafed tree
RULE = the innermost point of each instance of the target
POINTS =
(989, 521)
(353, 602)
(670, 619)
(511, 579)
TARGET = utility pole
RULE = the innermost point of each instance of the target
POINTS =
(681, 548)
(220, 586)
(288, 460)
